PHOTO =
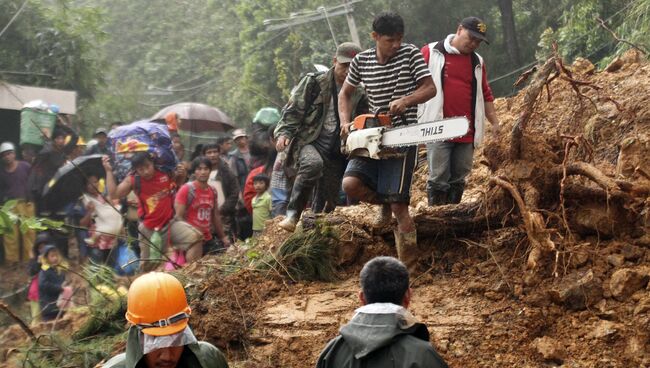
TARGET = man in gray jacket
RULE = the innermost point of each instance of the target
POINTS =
(382, 333)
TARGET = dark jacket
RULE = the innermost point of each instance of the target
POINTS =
(381, 335)
(45, 165)
(304, 115)
(230, 188)
(97, 150)
(239, 168)
(34, 264)
(200, 355)
(50, 285)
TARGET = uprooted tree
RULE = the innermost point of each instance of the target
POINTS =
(556, 176)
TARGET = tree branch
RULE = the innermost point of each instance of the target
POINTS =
(20, 322)
(617, 38)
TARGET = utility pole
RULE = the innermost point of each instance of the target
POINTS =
(351, 24)
(319, 14)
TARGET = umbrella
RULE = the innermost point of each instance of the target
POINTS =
(197, 118)
(68, 183)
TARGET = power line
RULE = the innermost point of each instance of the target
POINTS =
(204, 85)
(20, 10)
(27, 73)
(569, 44)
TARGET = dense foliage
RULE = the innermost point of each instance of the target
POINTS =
(127, 59)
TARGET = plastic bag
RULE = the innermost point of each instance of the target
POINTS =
(151, 343)
(156, 245)
(177, 258)
(34, 124)
(141, 136)
(125, 255)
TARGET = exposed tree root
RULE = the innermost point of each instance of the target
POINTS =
(538, 235)
(591, 172)
(532, 93)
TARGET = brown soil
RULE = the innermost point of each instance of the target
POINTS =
(476, 299)
(584, 303)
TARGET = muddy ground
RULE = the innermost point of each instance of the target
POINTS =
(585, 304)
(587, 308)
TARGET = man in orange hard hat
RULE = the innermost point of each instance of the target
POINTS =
(160, 336)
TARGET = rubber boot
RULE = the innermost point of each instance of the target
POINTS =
(407, 249)
(383, 216)
(299, 196)
(437, 197)
(455, 193)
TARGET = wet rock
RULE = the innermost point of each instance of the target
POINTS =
(457, 349)
(578, 291)
(643, 306)
(579, 258)
(493, 295)
(615, 65)
(550, 349)
(636, 297)
(631, 252)
(518, 291)
(538, 299)
(443, 346)
(627, 281)
(616, 260)
(583, 66)
(347, 253)
(604, 329)
(532, 279)
(631, 56)
(636, 346)
(502, 287)
(475, 287)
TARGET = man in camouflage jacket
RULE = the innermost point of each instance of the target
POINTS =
(310, 132)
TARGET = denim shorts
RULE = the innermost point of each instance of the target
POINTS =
(389, 178)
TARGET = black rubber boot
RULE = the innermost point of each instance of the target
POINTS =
(436, 197)
(455, 193)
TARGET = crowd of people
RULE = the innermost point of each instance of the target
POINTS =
(226, 190)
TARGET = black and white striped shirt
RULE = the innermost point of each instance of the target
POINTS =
(391, 81)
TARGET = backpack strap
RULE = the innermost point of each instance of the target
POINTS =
(191, 193)
(137, 184)
(214, 195)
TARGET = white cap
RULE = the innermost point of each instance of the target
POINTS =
(7, 146)
(237, 133)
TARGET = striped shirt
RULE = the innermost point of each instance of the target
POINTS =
(388, 82)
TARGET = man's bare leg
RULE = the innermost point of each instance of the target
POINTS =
(356, 189)
(405, 236)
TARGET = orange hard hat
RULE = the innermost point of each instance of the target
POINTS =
(157, 304)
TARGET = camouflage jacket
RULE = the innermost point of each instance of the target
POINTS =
(305, 113)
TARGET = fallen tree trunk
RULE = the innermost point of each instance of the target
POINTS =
(458, 220)
(448, 221)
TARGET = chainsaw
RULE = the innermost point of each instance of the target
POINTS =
(373, 136)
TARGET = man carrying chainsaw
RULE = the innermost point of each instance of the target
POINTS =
(310, 132)
(459, 74)
(396, 80)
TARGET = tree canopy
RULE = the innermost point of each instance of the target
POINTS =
(128, 59)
